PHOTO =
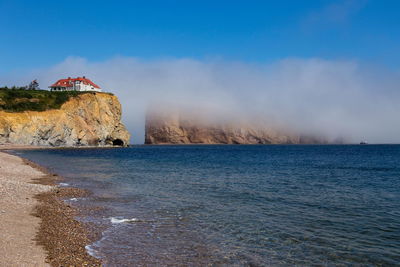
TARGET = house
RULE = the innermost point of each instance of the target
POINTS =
(75, 84)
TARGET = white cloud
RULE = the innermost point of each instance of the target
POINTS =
(334, 98)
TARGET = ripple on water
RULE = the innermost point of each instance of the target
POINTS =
(239, 205)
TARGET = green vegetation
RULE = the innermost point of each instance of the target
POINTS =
(17, 99)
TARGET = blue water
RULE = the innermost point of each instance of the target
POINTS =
(239, 205)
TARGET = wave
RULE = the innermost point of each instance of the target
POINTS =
(116, 220)
(91, 251)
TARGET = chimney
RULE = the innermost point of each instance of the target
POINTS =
(84, 77)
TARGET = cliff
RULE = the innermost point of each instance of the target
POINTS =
(87, 119)
(166, 127)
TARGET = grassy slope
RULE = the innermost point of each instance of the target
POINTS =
(17, 100)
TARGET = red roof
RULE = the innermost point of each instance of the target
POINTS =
(69, 82)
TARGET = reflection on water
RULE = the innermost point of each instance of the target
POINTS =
(239, 205)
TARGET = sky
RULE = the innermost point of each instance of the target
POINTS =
(41, 33)
(335, 60)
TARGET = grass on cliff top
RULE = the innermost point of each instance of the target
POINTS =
(17, 99)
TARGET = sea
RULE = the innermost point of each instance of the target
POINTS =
(237, 205)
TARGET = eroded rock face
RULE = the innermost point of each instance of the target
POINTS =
(90, 119)
(174, 127)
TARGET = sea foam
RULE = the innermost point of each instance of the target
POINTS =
(91, 251)
(116, 220)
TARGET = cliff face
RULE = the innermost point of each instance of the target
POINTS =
(90, 119)
(176, 128)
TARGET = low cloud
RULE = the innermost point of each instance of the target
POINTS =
(314, 96)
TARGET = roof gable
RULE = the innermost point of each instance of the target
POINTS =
(70, 81)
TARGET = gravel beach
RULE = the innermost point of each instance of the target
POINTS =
(18, 226)
(37, 227)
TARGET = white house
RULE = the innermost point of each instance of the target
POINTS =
(75, 84)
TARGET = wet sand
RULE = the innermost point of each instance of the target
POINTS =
(37, 227)
(16, 147)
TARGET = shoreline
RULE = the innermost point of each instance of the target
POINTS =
(54, 237)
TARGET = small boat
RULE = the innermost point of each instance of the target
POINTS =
(363, 143)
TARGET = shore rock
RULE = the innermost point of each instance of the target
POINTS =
(90, 119)
(174, 127)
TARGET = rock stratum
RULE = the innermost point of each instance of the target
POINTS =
(89, 119)
(166, 127)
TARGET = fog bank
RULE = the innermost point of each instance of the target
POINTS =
(313, 96)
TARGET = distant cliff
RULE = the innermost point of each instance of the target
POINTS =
(85, 119)
(166, 127)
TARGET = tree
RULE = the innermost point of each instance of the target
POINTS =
(34, 85)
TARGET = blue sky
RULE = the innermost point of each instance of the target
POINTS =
(318, 66)
(42, 33)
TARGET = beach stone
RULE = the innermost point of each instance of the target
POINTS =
(17, 225)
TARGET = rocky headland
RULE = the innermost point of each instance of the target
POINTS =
(174, 126)
(85, 119)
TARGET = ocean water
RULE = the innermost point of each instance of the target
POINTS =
(238, 205)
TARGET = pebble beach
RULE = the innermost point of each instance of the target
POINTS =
(17, 224)
(37, 227)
